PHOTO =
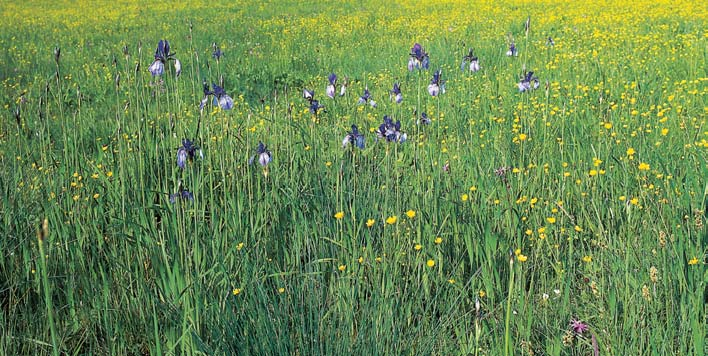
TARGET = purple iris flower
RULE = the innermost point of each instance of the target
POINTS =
(391, 131)
(187, 152)
(308, 94)
(424, 119)
(162, 55)
(332, 84)
(182, 195)
(366, 98)
(528, 82)
(217, 53)
(396, 93)
(221, 99)
(472, 60)
(418, 58)
(262, 154)
(343, 88)
(315, 106)
(354, 136)
(436, 85)
(178, 67)
(512, 50)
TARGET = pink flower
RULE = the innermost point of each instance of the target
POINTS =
(578, 326)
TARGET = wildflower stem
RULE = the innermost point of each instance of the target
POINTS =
(507, 331)
(41, 235)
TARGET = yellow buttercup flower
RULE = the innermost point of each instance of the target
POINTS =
(391, 220)
(644, 166)
(693, 261)
(410, 214)
(370, 222)
(430, 263)
(339, 215)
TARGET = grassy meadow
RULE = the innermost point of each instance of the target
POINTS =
(566, 220)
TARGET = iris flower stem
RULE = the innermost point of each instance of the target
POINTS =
(192, 53)
(526, 50)
(418, 112)
(354, 192)
(437, 126)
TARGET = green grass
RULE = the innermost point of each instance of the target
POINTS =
(258, 264)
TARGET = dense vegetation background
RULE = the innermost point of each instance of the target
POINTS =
(566, 220)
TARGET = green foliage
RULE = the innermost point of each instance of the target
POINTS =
(595, 184)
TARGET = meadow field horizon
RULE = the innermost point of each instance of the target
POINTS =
(370, 178)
